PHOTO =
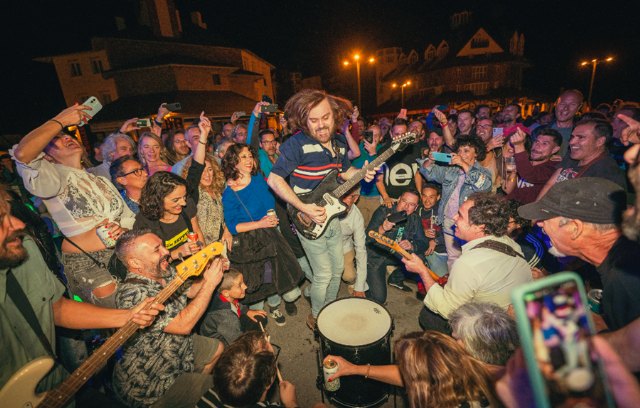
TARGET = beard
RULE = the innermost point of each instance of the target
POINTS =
(322, 134)
(10, 257)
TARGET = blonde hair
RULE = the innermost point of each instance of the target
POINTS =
(438, 372)
(163, 153)
(217, 184)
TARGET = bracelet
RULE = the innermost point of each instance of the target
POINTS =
(157, 123)
(368, 370)
(58, 122)
(443, 123)
(201, 142)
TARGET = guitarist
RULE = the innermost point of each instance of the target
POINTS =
(305, 158)
(409, 235)
(22, 264)
(165, 365)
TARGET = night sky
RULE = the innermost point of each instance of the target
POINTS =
(313, 36)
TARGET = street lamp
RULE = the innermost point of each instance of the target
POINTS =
(594, 63)
(394, 85)
(356, 57)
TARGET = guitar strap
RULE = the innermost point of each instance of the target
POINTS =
(21, 301)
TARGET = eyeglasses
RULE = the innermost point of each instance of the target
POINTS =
(249, 156)
(136, 172)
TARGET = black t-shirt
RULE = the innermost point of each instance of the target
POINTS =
(400, 169)
(175, 234)
(620, 274)
(605, 167)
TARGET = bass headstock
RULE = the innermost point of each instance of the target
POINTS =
(195, 264)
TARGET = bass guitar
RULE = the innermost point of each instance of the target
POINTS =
(327, 194)
(391, 244)
(19, 391)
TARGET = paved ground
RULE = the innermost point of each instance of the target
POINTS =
(299, 347)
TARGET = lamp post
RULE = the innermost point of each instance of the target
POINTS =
(594, 63)
(404, 85)
(356, 57)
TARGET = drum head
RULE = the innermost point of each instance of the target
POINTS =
(354, 321)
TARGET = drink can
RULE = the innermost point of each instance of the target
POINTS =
(594, 297)
(103, 234)
(271, 212)
(192, 237)
(329, 368)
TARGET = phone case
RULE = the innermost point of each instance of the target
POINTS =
(442, 157)
(95, 106)
(269, 108)
(173, 107)
(518, 298)
(143, 123)
(397, 217)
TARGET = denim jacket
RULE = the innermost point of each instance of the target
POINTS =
(478, 179)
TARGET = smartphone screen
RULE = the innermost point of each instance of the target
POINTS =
(560, 331)
(498, 131)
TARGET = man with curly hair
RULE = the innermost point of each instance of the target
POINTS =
(490, 266)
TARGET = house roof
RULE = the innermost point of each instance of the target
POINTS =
(214, 103)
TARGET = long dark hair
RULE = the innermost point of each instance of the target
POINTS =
(158, 186)
(232, 158)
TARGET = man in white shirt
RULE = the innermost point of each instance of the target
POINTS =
(490, 266)
(353, 243)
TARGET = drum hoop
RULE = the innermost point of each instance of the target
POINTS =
(359, 345)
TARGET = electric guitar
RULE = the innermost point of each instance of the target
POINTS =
(19, 391)
(391, 244)
(327, 194)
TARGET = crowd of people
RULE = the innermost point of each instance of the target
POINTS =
(478, 203)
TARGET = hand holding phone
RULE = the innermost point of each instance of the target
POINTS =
(368, 135)
(402, 114)
(555, 327)
(497, 132)
(95, 105)
(269, 108)
(441, 157)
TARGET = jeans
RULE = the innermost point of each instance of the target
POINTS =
(453, 247)
(274, 300)
(437, 263)
(377, 277)
(326, 258)
(432, 321)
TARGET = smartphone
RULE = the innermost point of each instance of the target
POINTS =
(269, 108)
(143, 123)
(397, 217)
(554, 328)
(368, 135)
(240, 113)
(498, 131)
(95, 106)
(173, 107)
(442, 157)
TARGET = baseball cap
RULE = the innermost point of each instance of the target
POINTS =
(590, 199)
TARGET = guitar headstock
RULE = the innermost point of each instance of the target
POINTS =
(403, 140)
(386, 241)
(195, 264)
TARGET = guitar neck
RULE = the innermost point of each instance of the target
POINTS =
(359, 175)
(58, 397)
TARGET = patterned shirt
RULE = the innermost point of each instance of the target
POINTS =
(152, 359)
(308, 162)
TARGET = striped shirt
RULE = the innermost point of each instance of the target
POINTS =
(307, 162)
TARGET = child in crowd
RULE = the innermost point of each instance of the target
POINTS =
(226, 319)
(436, 254)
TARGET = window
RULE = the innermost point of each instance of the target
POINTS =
(96, 66)
(479, 72)
(75, 69)
(478, 88)
(480, 42)
(216, 79)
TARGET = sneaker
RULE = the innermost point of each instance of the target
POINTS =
(291, 308)
(311, 322)
(277, 317)
(400, 286)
